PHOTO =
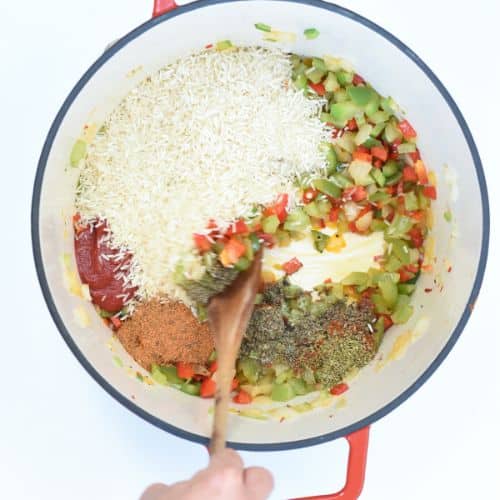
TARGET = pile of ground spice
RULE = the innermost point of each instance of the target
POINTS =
(330, 343)
(164, 333)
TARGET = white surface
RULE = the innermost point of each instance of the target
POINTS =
(62, 436)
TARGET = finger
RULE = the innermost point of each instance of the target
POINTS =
(259, 482)
(226, 458)
(156, 491)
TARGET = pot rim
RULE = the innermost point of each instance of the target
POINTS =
(36, 246)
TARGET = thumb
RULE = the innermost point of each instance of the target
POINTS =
(259, 483)
(157, 491)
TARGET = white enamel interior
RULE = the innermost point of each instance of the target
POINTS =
(392, 73)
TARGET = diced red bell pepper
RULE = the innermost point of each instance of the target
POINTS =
(357, 79)
(212, 224)
(393, 149)
(352, 227)
(201, 242)
(338, 389)
(237, 227)
(361, 156)
(404, 275)
(208, 388)
(430, 192)
(292, 266)
(116, 321)
(338, 132)
(387, 321)
(354, 193)
(184, 370)
(409, 174)
(416, 237)
(212, 367)
(268, 239)
(235, 249)
(413, 268)
(352, 125)
(406, 129)
(417, 215)
(319, 88)
(415, 155)
(379, 152)
(278, 208)
(242, 398)
(334, 214)
(235, 383)
(390, 190)
(421, 172)
(378, 163)
(309, 195)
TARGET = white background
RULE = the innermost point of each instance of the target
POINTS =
(62, 436)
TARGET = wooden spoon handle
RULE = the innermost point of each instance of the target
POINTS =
(225, 371)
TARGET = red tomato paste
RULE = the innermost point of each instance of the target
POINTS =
(102, 268)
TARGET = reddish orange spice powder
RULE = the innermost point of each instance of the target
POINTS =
(164, 333)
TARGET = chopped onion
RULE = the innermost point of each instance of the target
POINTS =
(351, 210)
(360, 172)
(363, 223)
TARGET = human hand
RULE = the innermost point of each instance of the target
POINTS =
(224, 478)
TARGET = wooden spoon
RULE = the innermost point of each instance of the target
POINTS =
(228, 316)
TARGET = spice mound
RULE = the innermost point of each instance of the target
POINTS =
(162, 333)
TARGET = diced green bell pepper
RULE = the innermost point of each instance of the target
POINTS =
(378, 335)
(363, 134)
(297, 220)
(331, 83)
(402, 311)
(411, 201)
(327, 187)
(270, 224)
(343, 111)
(390, 168)
(392, 132)
(378, 177)
(242, 264)
(360, 95)
(379, 303)
(341, 180)
(344, 77)
(300, 81)
(315, 75)
(191, 388)
(298, 386)
(320, 240)
(379, 117)
(158, 376)
(378, 129)
(373, 105)
(406, 289)
(318, 63)
(340, 95)
(356, 278)
(311, 33)
(400, 225)
(377, 225)
(170, 373)
(401, 250)
(250, 368)
(282, 392)
(406, 147)
(78, 152)
(389, 292)
(312, 210)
